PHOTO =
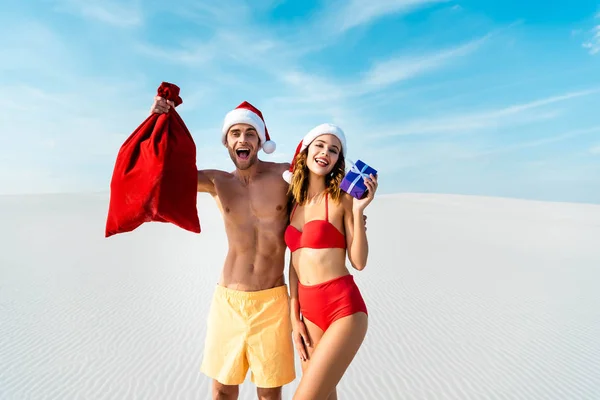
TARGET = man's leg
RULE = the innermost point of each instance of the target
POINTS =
(224, 357)
(269, 393)
(270, 352)
(225, 392)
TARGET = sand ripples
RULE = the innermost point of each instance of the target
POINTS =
(456, 311)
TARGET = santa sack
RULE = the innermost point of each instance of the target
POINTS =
(155, 176)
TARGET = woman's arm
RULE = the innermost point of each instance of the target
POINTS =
(354, 224)
(294, 305)
(300, 334)
(356, 235)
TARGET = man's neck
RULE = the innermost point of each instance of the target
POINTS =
(246, 175)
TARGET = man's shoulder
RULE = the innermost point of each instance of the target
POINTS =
(277, 166)
(274, 168)
(216, 173)
(272, 174)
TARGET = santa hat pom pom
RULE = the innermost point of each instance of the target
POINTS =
(287, 176)
(269, 146)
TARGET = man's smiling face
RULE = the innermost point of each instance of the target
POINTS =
(243, 144)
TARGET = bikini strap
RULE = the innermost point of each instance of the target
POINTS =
(326, 207)
(293, 211)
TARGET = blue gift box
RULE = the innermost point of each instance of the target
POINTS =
(353, 183)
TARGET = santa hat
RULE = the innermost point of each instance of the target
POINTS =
(323, 129)
(246, 113)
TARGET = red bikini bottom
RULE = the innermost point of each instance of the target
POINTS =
(326, 302)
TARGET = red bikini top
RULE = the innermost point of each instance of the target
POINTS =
(316, 234)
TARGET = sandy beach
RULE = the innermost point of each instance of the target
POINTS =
(469, 298)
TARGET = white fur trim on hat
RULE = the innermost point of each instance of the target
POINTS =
(325, 129)
(269, 146)
(287, 176)
(245, 116)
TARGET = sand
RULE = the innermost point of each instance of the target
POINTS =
(469, 298)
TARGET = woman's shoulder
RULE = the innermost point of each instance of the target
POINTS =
(344, 201)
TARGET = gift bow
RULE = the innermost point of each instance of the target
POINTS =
(360, 173)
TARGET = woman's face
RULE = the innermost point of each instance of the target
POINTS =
(323, 154)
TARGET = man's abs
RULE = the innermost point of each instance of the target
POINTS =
(255, 217)
(247, 273)
(255, 259)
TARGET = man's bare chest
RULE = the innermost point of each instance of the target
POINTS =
(253, 200)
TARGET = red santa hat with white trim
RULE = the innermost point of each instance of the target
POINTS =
(246, 113)
(323, 129)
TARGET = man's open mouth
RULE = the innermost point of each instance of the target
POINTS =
(243, 153)
(322, 162)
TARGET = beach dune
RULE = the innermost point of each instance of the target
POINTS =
(469, 298)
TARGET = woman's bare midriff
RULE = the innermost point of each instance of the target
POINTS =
(314, 266)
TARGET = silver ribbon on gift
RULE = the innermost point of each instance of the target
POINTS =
(360, 173)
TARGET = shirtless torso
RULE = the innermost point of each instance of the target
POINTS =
(253, 203)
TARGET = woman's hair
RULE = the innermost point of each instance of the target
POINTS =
(298, 190)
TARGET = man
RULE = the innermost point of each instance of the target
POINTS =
(249, 324)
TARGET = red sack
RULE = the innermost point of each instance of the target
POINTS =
(155, 176)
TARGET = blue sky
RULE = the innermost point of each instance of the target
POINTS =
(470, 97)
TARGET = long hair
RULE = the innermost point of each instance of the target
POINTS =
(298, 190)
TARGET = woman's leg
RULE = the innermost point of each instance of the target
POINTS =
(328, 362)
(314, 335)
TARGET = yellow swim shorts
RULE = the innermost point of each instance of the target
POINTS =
(249, 330)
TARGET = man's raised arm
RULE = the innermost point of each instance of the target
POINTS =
(206, 180)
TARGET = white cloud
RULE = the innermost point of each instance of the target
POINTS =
(406, 67)
(311, 88)
(234, 56)
(391, 159)
(354, 13)
(595, 150)
(543, 141)
(244, 46)
(326, 93)
(212, 13)
(539, 103)
(440, 152)
(311, 96)
(481, 120)
(240, 44)
(107, 11)
(32, 47)
(236, 36)
(593, 42)
(68, 136)
(191, 55)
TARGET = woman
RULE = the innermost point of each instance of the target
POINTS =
(329, 315)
